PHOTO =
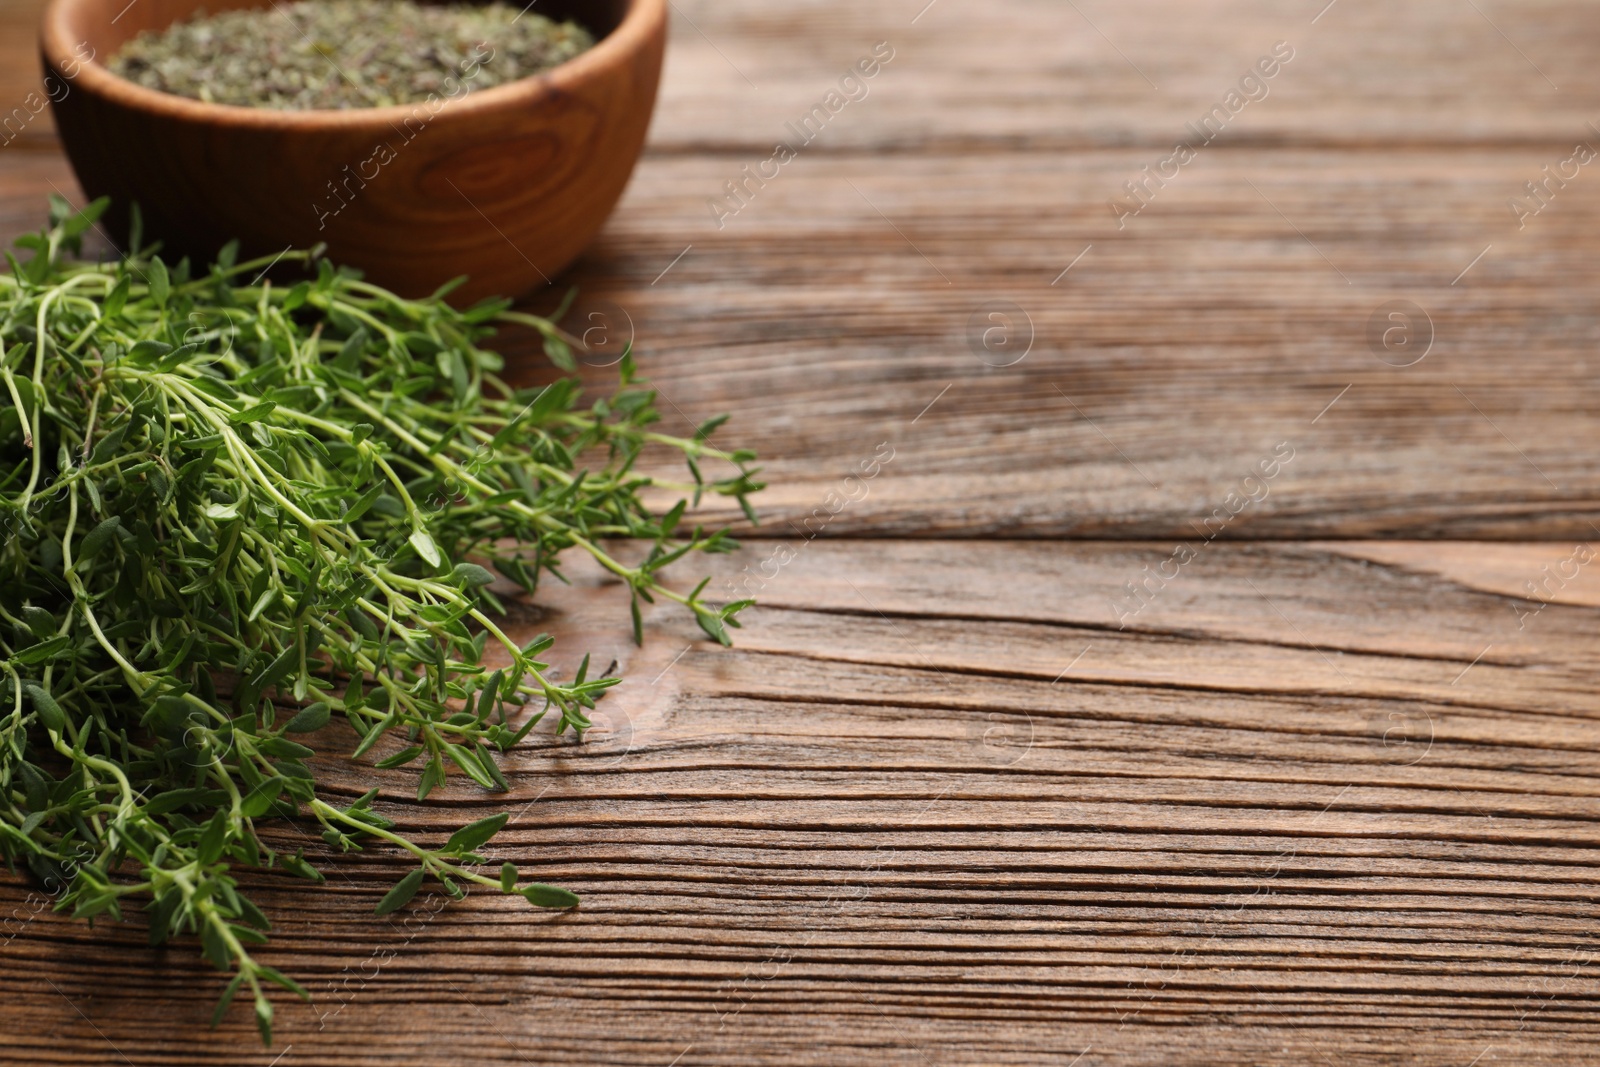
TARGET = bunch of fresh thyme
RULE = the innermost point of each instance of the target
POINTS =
(233, 510)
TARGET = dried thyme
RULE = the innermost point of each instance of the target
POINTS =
(347, 53)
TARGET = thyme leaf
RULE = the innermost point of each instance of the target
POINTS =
(235, 511)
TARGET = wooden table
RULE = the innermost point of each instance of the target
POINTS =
(1320, 789)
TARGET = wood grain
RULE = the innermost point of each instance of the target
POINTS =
(1327, 796)
(1059, 77)
(1172, 358)
(882, 832)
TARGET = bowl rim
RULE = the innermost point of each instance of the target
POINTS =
(631, 35)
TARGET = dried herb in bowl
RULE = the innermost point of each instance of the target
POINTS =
(233, 512)
(347, 53)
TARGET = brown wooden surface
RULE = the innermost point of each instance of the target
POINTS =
(1330, 797)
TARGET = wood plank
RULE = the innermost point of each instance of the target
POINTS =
(21, 85)
(889, 825)
(1175, 356)
(1059, 77)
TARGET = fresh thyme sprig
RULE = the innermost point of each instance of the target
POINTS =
(234, 510)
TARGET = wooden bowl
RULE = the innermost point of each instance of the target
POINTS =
(505, 184)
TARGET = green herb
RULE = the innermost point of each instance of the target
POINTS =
(347, 53)
(234, 512)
